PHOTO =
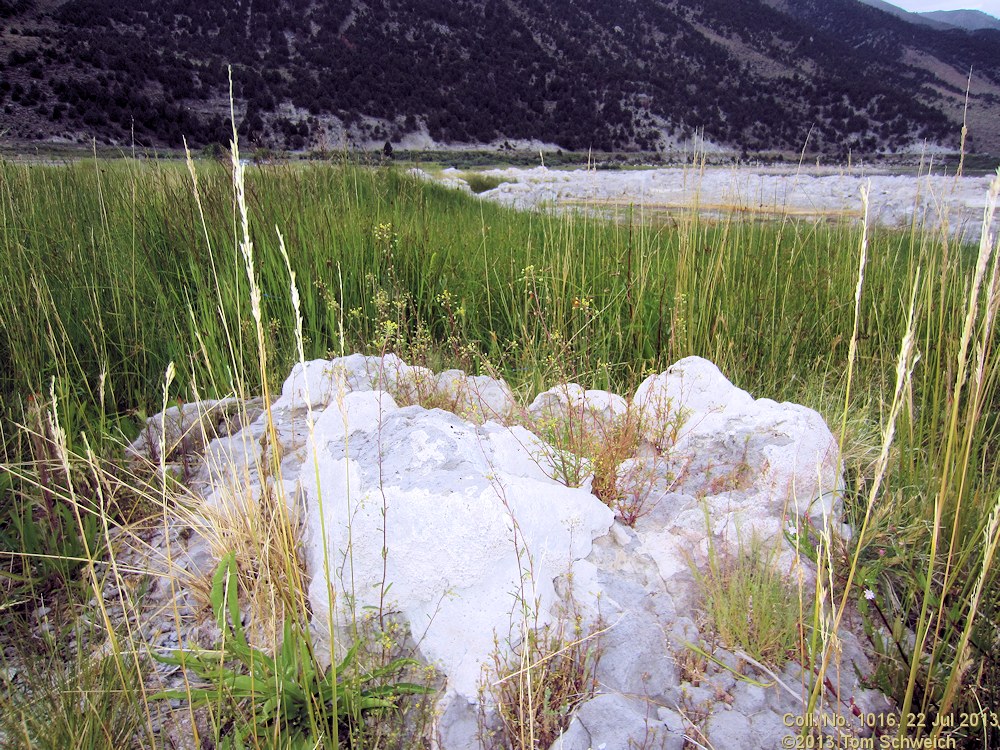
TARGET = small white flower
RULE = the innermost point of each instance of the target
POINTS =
(869, 595)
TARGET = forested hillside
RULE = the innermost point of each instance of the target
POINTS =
(579, 74)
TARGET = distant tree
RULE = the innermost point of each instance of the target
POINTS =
(387, 150)
(94, 117)
(252, 124)
(213, 151)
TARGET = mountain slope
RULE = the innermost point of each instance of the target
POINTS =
(579, 74)
(919, 18)
(939, 65)
(971, 20)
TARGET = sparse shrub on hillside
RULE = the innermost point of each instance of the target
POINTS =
(473, 86)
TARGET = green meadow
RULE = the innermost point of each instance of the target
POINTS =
(113, 269)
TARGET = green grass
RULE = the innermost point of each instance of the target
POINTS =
(110, 273)
(112, 267)
(480, 183)
(77, 706)
(747, 602)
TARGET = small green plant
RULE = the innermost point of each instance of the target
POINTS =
(538, 685)
(566, 446)
(618, 443)
(746, 602)
(632, 494)
(288, 699)
(579, 443)
(623, 482)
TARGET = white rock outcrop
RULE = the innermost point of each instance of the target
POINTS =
(453, 520)
(186, 428)
(463, 512)
(572, 411)
(753, 468)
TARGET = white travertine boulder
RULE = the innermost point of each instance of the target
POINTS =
(323, 379)
(592, 412)
(478, 398)
(187, 427)
(733, 467)
(462, 511)
(453, 521)
(720, 440)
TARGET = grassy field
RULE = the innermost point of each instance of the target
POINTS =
(113, 269)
